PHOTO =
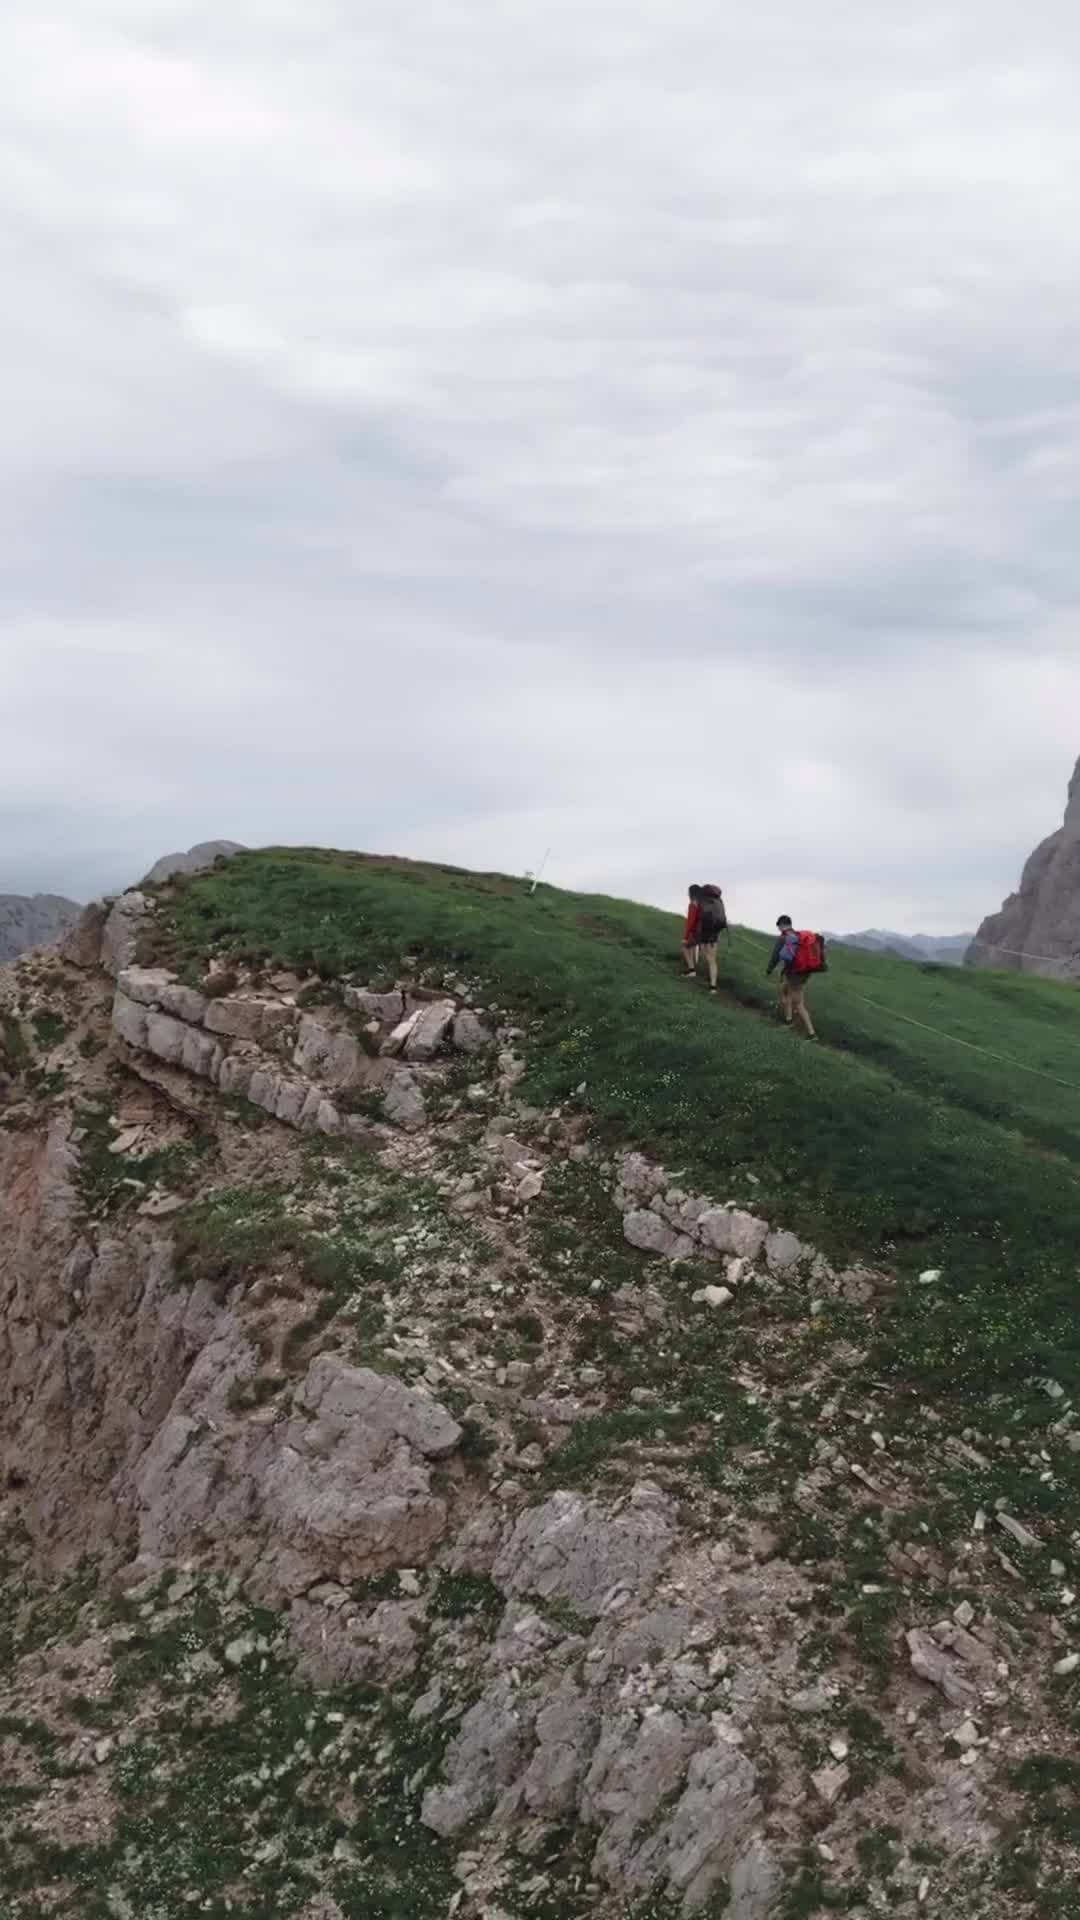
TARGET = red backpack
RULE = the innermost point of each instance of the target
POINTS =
(804, 952)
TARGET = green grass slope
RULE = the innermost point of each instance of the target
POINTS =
(892, 1140)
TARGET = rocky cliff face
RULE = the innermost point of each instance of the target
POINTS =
(33, 920)
(396, 1522)
(1038, 928)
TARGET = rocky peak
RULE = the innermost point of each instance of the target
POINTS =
(172, 866)
(1072, 811)
(1038, 927)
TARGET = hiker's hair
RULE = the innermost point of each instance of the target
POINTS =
(785, 920)
(694, 892)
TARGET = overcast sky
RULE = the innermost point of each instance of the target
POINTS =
(466, 427)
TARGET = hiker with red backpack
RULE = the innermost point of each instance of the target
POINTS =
(705, 922)
(799, 955)
(712, 920)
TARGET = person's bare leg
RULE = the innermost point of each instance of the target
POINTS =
(785, 1002)
(689, 955)
(710, 961)
(803, 1013)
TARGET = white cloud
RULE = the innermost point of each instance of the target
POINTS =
(648, 431)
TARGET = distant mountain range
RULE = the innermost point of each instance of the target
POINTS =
(940, 949)
(33, 920)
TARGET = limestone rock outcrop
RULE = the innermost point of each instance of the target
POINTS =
(337, 1492)
(105, 933)
(81, 945)
(120, 936)
(306, 1069)
(1038, 928)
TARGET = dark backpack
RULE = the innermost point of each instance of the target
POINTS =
(712, 919)
(804, 952)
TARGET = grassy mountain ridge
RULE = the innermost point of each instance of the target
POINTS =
(865, 1619)
(938, 1127)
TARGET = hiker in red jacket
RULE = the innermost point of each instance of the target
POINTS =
(690, 933)
(798, 955)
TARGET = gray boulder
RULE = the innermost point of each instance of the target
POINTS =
(165, 1038)
(430, 1031)
(576, 1550)
(565, 1734)
(482, 1761)
(730, 1230)
(336, 1645)
(649, 1232)
(712, 1822)
(939, 1669)
(783, 1251)
(663, 1630)
(201, 1054)
(639, 1182)
(129, 1020)
(387, 1008)
(322, 1907)
(333, 1056)
(246, 1017)
(140, 1024)
(348, 1491)
(373, 1410)
(637, 1767)
(755, 1883)
(403, 1103)
(337, 1492)
(154, 987)
(469, 1034)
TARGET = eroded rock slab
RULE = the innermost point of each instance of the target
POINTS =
(339, 1491)
(584, 1553)
(120, 937)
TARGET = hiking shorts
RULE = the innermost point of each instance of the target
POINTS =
(708, 933)
(796, 981)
